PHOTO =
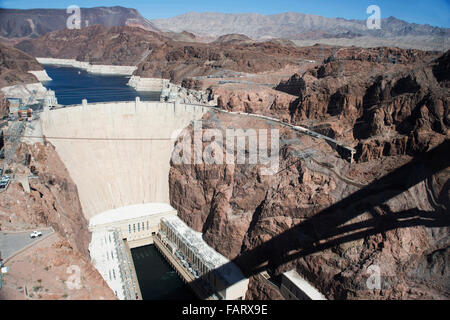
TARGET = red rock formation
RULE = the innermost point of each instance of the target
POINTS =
(263, 221)
(163, 55)
(14, 67)
(96, 44)
(390, 101)
(53, 201)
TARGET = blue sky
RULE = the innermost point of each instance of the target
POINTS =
(433, 12)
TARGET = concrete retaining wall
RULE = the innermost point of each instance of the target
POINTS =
(147, 84)
(41, 75)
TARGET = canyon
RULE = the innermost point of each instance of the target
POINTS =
(326, 217)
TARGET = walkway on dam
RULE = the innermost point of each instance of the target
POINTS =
(301, 129)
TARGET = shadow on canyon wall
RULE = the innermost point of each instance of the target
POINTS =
(314, 234)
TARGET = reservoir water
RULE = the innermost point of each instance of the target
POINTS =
(71, 85)
(157, 279)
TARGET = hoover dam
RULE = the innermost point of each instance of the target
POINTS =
(119, 157)
(118, 153)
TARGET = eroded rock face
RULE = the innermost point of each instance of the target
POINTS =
(52, 202)
(14, 67)
(166, 55)
(254, 99)
(318, 215)
(33, 23)
(97, 44)
(388, 101)
(183, 60)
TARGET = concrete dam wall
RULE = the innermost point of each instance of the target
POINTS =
(106, 148)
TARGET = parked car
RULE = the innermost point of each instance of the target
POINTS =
(35, 234)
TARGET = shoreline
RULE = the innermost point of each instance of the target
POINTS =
(91, 68)
(139, 83)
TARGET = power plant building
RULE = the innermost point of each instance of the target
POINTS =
(222, 275)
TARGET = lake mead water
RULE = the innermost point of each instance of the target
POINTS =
(71, 85)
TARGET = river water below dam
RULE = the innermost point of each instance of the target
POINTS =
(71, 85)
(157, 279)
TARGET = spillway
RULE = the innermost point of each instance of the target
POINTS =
(107, 150)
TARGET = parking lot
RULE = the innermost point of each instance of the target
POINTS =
(13, 242)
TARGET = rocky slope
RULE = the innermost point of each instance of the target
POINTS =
(324, 217)
(33, 23)
(14, 67)
(178, 61)
(52, 202)
(383, 101)
(159, 56)
(96, 44)
(327, 218)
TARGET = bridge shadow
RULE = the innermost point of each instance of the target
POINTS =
(330, 227)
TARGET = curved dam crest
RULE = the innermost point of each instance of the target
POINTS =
(114, 173)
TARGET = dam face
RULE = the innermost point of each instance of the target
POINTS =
(118, 154)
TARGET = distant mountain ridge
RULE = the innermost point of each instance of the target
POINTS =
(290, 25)
(32, 23)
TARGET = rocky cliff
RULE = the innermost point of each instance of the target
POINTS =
(52, 201)
(96, 44)
(224, 59)
(326, 218)
(14, 67)
(383, 101)
(158, 55)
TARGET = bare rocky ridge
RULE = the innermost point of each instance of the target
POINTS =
(158, 56)
(392, 105)
(33, 23)
(317, 214)
(384, 101)
(295, 25)
(96, 44)
(14, 67)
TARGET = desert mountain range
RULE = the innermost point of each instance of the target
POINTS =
(33, 23)
(290, 25)
(207, 26)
